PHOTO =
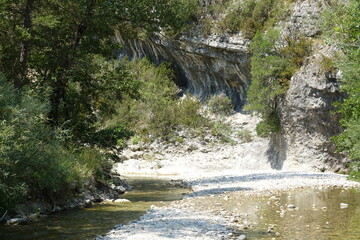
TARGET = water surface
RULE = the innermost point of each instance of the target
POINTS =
(87, 223)
(317, 215)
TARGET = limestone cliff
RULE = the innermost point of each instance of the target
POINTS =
(220, 63)
(307, 119)
(203, 66)
(306, 110)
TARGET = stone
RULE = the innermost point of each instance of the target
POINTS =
(291, 206)
(34, 216)
(344, 205)
(87, 202)
(120, 189)
(242, 237)
(18, 221)
(122, 200)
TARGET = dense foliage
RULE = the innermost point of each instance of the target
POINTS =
(254, 15)
(221, 104)
(247, 17)
(342, 23)
(61, 81)
(272, 66)
(33, 158)
(157, 112)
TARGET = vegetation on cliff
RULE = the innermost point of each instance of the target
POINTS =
(157, 111)
(247, 17)
(272, 67)
(341, 28)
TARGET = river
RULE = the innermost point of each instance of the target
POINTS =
(315, 213)
(87, 223)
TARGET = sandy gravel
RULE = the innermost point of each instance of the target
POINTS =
(239, 168)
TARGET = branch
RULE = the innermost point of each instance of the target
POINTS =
(4, 215)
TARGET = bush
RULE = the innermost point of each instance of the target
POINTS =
(270, 124)
(222, 131)
(328, 65)
(253, 16)
(341, 28)
(34, 159)
(111, 136)
(221, 104)
(244, 135)
(157, 112)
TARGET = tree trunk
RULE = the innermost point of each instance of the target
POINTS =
(25, 47)
(62, 80)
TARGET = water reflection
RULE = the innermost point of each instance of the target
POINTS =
(316, 215)
(89, 222)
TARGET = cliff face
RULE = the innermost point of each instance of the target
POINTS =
(203, 67)
(306, 109)
(307, 119)
(220, 63)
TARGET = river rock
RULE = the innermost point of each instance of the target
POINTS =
(291, 206)
(123, 200)
(120, 189)
(242, 237)
(344, 205)
(18, 221)
(34, 216)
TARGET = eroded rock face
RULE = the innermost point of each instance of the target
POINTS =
(304, 18)
(203, 67)
(307, 119)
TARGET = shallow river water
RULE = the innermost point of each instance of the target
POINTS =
(299, 214)
(87, 223)
(312, 213)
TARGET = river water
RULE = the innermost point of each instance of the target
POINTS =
(87, 223)
(316, 214)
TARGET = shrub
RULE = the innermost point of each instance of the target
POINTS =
(34, 159)
(253, 16)
(221, 104)
(244, 135)
(222, 131)
(270, 124)
(110, 136)
(157, 112)
(328, 64)
(341, 28)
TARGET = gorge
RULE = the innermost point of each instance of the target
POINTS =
(223, 113)
(207, 65)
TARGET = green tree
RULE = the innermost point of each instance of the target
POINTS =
(60, 58)
(342, 21)
(266, 65)
(64, 48)
(272, 67)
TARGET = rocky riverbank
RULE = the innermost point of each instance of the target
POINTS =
(216, 173)
(202, 214)
(33, 210)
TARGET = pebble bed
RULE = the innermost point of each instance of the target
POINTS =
(208, 173)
